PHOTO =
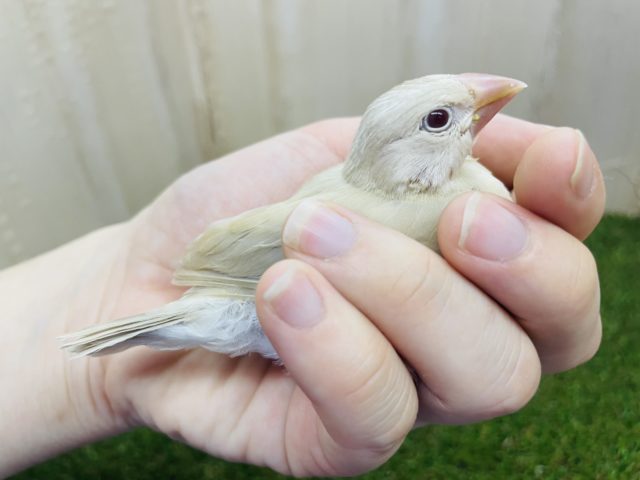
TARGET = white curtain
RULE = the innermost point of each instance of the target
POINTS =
(103, 103)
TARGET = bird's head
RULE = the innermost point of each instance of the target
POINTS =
(415, 136)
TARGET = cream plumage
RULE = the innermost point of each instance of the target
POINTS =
(411, 156)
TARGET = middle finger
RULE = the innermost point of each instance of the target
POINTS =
(474, 361)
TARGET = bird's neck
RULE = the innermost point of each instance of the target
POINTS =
(362, 166)
(357, 174)
(414, 174)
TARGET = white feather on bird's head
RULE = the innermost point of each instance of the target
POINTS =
(415, 136)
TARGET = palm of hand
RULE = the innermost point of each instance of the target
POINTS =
(244, 409)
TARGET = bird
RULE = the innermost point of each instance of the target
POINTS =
(410, 156)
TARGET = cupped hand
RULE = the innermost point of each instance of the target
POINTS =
(378, 334)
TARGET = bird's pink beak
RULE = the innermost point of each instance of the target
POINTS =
(491, 94)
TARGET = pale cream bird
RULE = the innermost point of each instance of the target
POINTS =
(410, 157)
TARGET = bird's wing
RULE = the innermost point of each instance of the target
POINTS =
(231, 254)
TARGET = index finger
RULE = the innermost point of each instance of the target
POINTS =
(502, 143)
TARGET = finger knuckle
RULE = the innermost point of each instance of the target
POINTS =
(586, 289)
(417, 285)
(388, 402)
(591, 345)
(518, 381)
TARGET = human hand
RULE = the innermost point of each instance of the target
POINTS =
(347, 400)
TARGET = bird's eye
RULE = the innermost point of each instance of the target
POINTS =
(436, 120)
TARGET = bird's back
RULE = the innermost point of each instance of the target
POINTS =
(232, 254)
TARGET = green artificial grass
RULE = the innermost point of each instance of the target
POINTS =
(583, 424)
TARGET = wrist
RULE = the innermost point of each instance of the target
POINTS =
(53, 403)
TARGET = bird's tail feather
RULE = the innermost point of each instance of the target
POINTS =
(119, 335)
(223, 325)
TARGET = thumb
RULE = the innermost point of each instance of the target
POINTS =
(362, 400)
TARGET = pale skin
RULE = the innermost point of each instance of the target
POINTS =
(383, 336)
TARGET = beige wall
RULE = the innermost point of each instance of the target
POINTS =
(105, 102)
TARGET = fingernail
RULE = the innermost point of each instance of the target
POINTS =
(295, 300)
(490, 231)
(316, 230)
(583, 176)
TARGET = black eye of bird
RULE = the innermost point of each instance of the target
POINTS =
(436, 120)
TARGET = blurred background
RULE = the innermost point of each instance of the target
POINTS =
(104, 103)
